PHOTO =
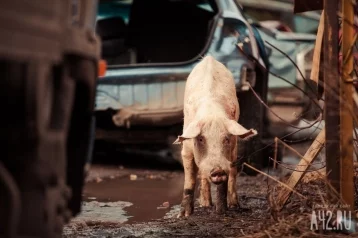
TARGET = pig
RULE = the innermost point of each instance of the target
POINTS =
(210, 135)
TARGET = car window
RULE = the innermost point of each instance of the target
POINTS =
(121, 8)
(109, 9)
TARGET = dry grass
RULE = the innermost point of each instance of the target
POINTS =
(294, 220)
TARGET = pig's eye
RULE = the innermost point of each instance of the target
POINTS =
(227, 140)
(200, 139)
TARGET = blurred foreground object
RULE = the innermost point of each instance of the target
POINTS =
(49, 63)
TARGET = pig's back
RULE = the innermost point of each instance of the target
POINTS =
(210, 80)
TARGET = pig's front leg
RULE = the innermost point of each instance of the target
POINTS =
(205, 193)
(232, 194)
(232, 190)
(190, 173)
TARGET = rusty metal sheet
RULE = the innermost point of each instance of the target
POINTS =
(307, 5)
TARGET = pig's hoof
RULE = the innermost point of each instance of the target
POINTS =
(220, 210)
(185, 212)
(234, 205)
(187, 205)
(181, 214)
(204, 203)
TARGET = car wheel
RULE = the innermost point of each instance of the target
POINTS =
(34, 193)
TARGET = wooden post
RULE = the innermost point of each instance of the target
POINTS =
(346, 135)
(331, 91)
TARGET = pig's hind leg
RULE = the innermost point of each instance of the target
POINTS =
(190, 173)
(205, 193)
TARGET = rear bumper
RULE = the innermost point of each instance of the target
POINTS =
(143, 128)
(127, 117)
(137, 136)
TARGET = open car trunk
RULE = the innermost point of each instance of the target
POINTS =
(154, 31)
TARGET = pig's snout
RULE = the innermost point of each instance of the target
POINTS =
(218, 176)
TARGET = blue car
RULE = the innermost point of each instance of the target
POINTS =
(150, 47)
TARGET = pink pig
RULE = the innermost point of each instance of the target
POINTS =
(209, 139)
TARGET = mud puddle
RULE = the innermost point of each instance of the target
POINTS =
(134, 198)
(252, 215)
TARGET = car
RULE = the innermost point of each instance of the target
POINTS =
(150, 47)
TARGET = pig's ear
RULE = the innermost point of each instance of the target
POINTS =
(236, 129)
(192, 131)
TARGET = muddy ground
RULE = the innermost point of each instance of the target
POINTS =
(142, 202)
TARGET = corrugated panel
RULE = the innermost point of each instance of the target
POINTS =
(154, 96)
(180, 93)
(169, 95)
(151, 96)
(125, 95)
(140, 96)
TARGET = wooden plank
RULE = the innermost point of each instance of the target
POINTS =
(301, 168)
(317, 50)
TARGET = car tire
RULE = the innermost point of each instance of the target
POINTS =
(33, 185)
